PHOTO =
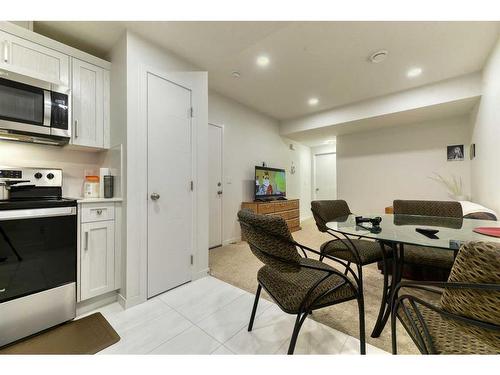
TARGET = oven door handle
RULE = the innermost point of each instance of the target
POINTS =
(36, 213)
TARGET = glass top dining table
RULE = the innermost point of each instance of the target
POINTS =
(396, 231)
(401, 229)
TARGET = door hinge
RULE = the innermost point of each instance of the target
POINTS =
(190, 112)
(191, 185)
(192, 259)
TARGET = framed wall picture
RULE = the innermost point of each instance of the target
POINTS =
(455, 152)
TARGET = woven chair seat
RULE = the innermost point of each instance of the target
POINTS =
(449, 336)
(369, 251)
(289, 289)
(428, 256)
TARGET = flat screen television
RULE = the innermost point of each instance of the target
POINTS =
(270, 183)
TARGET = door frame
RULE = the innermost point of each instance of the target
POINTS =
(135, 273)
(184, 85)
(221, 127)
(314, 172)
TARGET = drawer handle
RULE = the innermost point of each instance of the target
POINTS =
(99, 212)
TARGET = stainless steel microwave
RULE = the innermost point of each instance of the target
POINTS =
(33, 111)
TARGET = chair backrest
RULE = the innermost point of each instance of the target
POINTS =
(268, 237)
(476, 262)
(428, 208)
(325, 211)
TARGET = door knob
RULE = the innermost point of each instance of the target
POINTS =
(317, 189)
(155, 196)
(219, 192)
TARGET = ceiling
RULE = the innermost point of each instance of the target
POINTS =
(327, 60)
(319, 136)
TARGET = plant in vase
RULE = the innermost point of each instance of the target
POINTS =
(453, 185)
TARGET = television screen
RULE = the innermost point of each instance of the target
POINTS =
(270, 182)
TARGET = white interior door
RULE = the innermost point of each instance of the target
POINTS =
(215, 185)
(325, 176)
(170, 217)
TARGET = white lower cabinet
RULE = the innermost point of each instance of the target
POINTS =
(98, 258)
(98, 250)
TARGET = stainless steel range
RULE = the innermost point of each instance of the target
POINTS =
(38, 241)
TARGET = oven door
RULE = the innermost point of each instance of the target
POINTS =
(37, 250)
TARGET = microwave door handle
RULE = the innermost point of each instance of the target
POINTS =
(47, 108)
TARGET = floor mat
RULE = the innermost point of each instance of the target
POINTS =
(88, 335)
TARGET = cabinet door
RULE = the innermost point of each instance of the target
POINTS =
(31, 59)
(88, 104)
(97, 249)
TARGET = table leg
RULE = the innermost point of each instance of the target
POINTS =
(386, 303)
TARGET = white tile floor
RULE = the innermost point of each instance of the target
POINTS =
(209, 316)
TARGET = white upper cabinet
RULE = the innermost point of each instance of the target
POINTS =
(90, 105)
(27, 53)
(31, 59)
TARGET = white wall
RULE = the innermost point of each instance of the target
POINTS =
(486, 136)
(74, 163)
(131, 56)
(249, 139)
(376, 167)
(324, 149)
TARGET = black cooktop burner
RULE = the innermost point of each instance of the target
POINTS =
(44, 202)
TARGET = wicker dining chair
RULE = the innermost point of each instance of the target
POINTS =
(466, 320)
(352, 250)
(296, 283)
(427, 256)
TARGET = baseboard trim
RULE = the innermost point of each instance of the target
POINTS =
(96, 302)
(230, 241)
(122, 301)
(200, 274)
(127, 303)
(302, 219)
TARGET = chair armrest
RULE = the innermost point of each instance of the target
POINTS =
(424, 285)
(447, 314)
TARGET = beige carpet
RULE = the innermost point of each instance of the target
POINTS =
(235, 264)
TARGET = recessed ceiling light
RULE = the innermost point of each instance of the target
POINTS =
(313, 101)
(378, 56)
(414, 72)
(263, 60)
(236, 74)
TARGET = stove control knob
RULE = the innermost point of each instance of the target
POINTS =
(38, 175)
(50, 176)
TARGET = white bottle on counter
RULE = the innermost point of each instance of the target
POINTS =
(91, 187)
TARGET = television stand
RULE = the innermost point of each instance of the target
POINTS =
(287, 209)
(269, 199)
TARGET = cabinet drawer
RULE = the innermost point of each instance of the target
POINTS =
(293, 223)
(287, 215)
(97, 212)
(266, 208)
(291, 205)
